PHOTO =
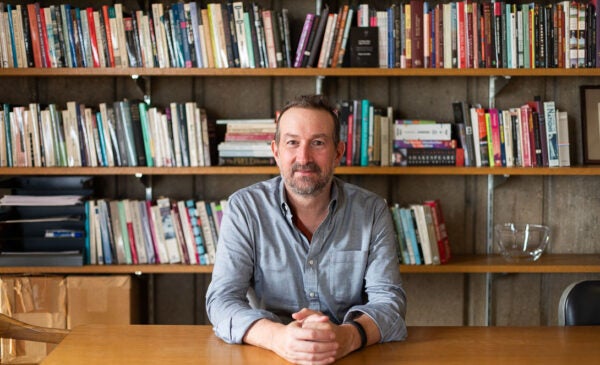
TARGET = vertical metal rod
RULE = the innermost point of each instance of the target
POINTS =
(489, 248)
(489, 218)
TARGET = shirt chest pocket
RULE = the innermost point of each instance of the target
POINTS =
(346, 276)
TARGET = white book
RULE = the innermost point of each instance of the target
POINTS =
(159, 237)
(327, 40)
(564, 154)
(168, 230)
(209, 240)
(476, 141)
(551, 132)
(178, 160)
(423, 233)
(382, 29)
(508, 139)
(91, 134)
(240, 31)
(120, 31)
(192, 124)
(160, 36)
(425, 131)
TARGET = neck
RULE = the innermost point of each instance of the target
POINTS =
(309, 211)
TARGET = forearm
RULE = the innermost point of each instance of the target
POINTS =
(261, 333)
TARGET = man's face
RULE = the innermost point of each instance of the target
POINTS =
(306, 153)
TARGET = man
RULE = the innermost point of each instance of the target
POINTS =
(306, 264)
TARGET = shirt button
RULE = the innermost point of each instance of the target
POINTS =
(311, 262)
(311, 294)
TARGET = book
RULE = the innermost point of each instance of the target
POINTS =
(428, 157)
(423, 233)
(564, 154)
(304, 35)
(400, 235)
(207, 232)
(551, 133)
(441, 233)
(364, 51)
(168, 230)
(462, 115)
(411, 237)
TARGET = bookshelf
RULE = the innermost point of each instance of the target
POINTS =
(465, 191)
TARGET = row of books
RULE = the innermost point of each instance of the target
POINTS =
(480, 34)
(534, 134)
(415, 33)
(122, 133)
(181, 35)
(421, 233)
(167, 231)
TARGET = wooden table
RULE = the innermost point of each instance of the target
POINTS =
(162, 344)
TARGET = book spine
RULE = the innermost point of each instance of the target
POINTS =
(303, 39)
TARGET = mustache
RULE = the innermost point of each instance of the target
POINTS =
(310, 167)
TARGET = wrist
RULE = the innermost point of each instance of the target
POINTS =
(362, 334)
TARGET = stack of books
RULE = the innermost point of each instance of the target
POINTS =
(421, 233)
(167, 231)
(425, 143)
(247, 142)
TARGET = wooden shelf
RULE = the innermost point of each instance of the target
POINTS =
(297, 72)
(461, 264)
(272, 170)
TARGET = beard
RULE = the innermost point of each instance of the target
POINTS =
(307, 185)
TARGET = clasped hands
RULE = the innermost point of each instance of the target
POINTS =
(313, 339)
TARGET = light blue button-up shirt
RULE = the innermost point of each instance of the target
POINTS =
(266, 268)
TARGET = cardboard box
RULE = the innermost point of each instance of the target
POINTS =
(37, 300)
(101, 300)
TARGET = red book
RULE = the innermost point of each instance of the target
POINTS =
(93, 38)
(33, 13)
(45, 47)
(132, 247)
(461, 34)
(109, 44)
(441, 233)
(417, 44)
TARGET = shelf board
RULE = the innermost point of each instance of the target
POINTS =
(481, 264)
(297, 72)
(272, 170)
(460, 264)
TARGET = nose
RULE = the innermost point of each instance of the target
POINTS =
(303, 153)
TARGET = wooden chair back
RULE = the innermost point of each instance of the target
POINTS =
(12, 328)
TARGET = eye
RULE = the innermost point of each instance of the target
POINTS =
(291, 142)
(318, 142)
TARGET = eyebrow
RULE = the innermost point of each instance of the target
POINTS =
(318, 135)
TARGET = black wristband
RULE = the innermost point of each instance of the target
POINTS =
(361, 332)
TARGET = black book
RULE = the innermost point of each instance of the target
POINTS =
(253, 37)
(41, 258)
(428, 157)
(364, 47)
(233, 58)
(318, 29)
(138, 137)
(462, 116)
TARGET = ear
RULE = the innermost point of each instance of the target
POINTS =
(341, 147)
(275, 150)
